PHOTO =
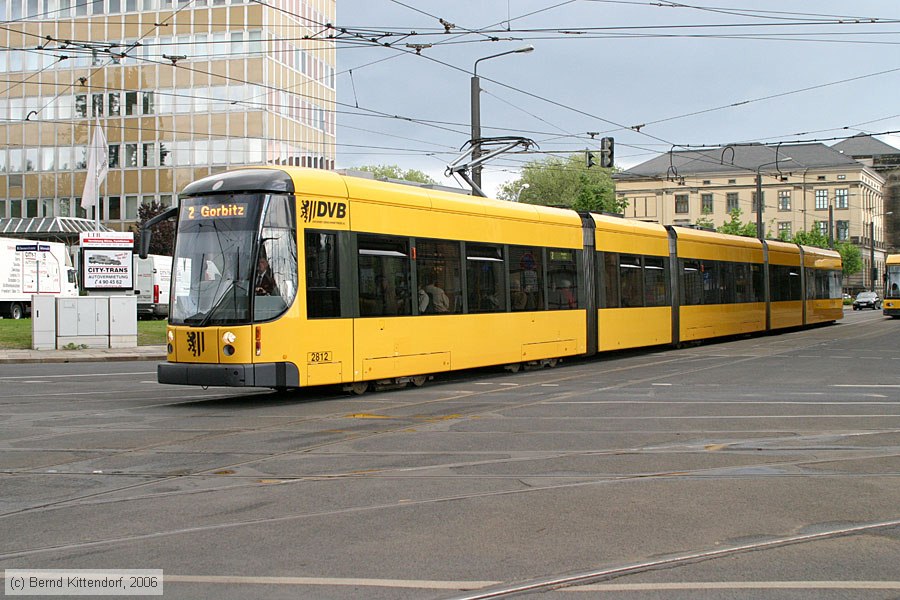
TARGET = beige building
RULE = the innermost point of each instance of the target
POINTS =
(182, 90)
(801, 184)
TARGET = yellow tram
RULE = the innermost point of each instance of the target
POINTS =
(891, 303)
(290, 277)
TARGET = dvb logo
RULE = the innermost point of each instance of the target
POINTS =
(319, 210)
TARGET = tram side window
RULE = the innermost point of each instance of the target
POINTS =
(758, 275)
(655, 281)
(526, 286)
(631, 280)
(727, 283)
(384, 276)
(691, 282)
(835, 284)
(439, 277)
(784, 283)
(562, 276)
(795, 284)
(484, 277)
(323, 294)
(610, 279)
(711, 282)
(827, 284)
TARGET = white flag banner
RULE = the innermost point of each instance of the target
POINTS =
(97, 167)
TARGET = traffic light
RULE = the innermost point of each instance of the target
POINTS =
(589, 159)
(607, 146)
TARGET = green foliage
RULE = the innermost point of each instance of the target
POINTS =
(705, 221)
(564, 182)
(733, 225)
(814, 237)
(851, 258)
(16, 333)
(162, 240)
(395, 172)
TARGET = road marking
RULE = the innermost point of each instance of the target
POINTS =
(739, 585)
(77, 375)
(340, 581)
(867, 385)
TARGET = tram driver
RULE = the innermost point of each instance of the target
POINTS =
(265, 281)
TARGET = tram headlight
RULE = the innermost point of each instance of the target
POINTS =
(229, 337)
(170, 335)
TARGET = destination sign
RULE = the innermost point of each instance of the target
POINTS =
(216, 211)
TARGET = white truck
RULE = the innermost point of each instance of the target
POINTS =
(33, 267)
(152, 280)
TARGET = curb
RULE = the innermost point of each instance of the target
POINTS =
(140, 353)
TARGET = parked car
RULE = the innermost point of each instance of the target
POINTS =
(867, 300)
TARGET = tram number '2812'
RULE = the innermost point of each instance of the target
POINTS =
(318, 357)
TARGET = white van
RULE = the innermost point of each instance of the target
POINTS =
(152, 279)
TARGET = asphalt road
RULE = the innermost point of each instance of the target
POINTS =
(764, 467)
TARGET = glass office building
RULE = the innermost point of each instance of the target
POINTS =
(181, 89)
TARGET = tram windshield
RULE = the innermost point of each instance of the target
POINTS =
(892, 284)
(235, 259)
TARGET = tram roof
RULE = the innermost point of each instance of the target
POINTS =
(422, 197)
(823, 258)
(711, 237)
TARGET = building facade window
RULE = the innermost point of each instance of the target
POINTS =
(843, 230)
(755, 204)
(784, 230)
(822, 226)
(821, 199)
(784, 199)
(731, 202)
(706, 203)
(682, 204)
(842, 198)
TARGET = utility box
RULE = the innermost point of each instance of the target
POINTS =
(123, 321)
(82, 321)
(43, 322)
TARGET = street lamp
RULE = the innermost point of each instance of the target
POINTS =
(760, 232)
(873, 270)
(524, 187)
(476, 110)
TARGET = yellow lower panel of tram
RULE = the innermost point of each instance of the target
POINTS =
(716, 320)
(787, 314)
(620, 328)
(402, 346)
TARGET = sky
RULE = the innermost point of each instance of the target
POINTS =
(654, 75)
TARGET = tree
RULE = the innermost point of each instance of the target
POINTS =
(395, 172)
(814, 237)
(733, 225)
(163, 240)
(851, 259)
(704, 221)
(564, 182)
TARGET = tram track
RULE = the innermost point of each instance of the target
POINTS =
(610, 573)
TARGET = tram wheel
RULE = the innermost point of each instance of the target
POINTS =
(552, 362)
(418, 380)
(514, 367)
(358, 388)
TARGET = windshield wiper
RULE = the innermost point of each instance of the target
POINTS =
(225, 286)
